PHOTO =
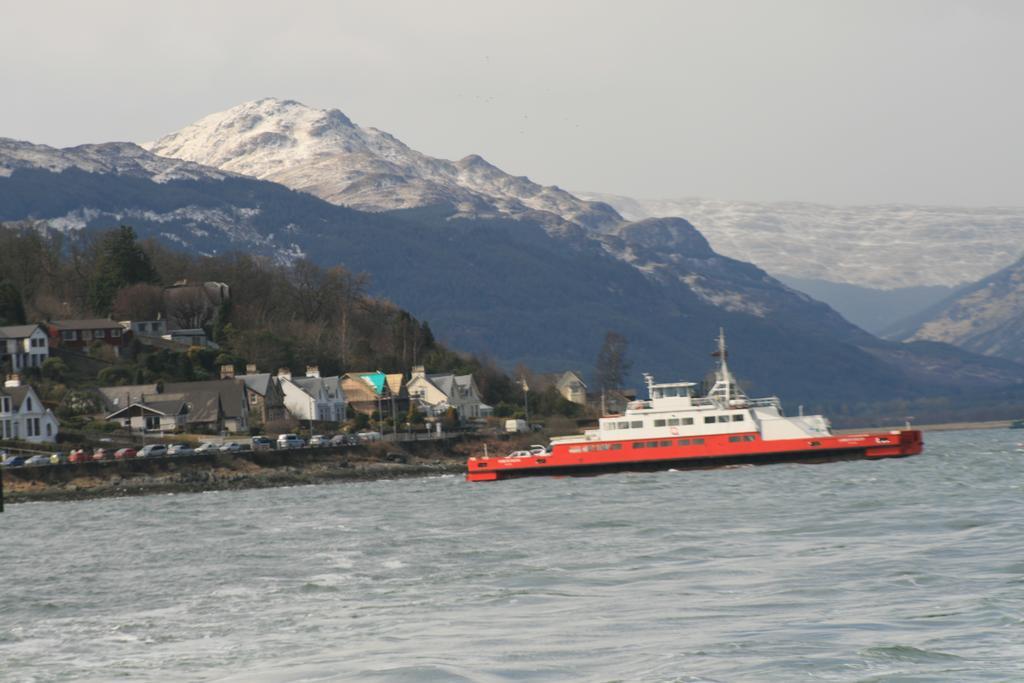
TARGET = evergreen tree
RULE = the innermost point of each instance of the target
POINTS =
(12, 311)
(120, 262)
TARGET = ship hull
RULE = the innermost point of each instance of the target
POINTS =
(715, 451)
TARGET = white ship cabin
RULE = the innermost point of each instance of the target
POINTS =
(673, 410)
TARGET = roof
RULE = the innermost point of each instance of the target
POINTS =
(17, 331)
(172, 407)
(90, 324)
(447, 383)
(257, 382)
(202, 397)
(375, 380)
(18, 395)
(230, 391)
(313, 385)
(357, 389)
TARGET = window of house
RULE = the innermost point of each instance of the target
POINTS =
(710, 419)
(86, 335)
(101, 334)
(738, 417)
(114, 334)
(68, 335)
(49, 429)
(28, 403)
(659, 423)
(152, 422)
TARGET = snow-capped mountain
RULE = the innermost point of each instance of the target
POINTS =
(986, 317)
(882, 247)
(117, 158)
(324, 153)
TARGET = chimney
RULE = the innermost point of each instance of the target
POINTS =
(417, 371)
(227, 372)
(13, 381)
(312, 371)
(284, 373)
(250, 369)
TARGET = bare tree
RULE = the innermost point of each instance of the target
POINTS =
(612, 365)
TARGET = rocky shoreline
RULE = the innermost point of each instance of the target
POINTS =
(223, 472)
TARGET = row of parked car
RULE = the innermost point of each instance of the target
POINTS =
(160, 450)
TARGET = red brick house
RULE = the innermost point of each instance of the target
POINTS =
(79, 334)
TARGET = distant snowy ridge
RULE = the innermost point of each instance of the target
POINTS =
(873, 246)
(324, 153)
(118, 158)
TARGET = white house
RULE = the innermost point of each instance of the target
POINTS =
(25, 346)
(313, 397)
(23, 416)
(434, 394)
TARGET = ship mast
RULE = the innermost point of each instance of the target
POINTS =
(724, 365)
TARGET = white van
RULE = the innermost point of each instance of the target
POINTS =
(513, 426)
(290, 441)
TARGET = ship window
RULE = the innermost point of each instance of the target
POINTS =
(652, 444)
(750, 437)
(723, 418)
(603, 447)
(609, 425)
(481, 464)
(659, 423)
(636, 424)
(687, 420)
(616, 446)
(709, 420)
(698, 442)
(673, 422)
(738, 417)
(623, 425)
(734, 439)
(638, 444)
(684, 442)
(574, 450)
(665, 444)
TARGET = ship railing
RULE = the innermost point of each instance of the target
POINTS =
(770, 402)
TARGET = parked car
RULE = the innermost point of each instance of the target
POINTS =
(319, 440)
(78, 456)
(125, 453)
(153, 450)
(101, 454)
(261, 443)
(369, 436)
(230, 447)
(38, 460)
(206, 447)
(181, 449)
(58, 458)
(290, 441)
(344, 440)
(14, 461)
(514, 426)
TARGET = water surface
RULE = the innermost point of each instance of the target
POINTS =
(899, 570)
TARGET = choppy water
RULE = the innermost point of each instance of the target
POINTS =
(901, 570)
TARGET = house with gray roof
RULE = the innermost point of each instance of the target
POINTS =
(211, 406)
(23, 346)
(23, 416)
(434, 394)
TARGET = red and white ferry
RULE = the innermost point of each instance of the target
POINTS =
(674, 428)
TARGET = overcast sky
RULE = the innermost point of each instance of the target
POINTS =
(835, 102)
